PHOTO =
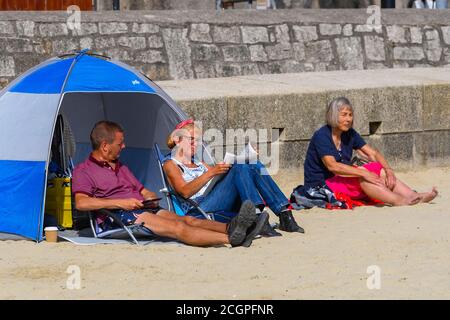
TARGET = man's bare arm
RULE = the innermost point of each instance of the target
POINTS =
(147, 194)
(84, 202)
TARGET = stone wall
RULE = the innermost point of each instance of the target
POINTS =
(203, 44)
(169, 4)
(158, 5)
(405, 113)
(210, 4)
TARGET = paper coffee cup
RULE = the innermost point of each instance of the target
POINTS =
(51, 234)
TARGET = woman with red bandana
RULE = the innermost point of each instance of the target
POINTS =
(190, 178)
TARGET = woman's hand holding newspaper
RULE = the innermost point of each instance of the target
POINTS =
(219, 169)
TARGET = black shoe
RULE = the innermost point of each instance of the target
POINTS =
(269, 231)
(255, 230)
(288, 223)
(237, 228)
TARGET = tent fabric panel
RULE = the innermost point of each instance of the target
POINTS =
(48, 79)
(83, 150)
(83, 110)
(146, 119)
(153, 180)
(158, 91)
(21, 197)
(26, 125)
(93, 74)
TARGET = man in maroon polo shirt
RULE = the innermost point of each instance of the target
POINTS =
(102, 182)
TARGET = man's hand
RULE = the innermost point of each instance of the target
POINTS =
(390, 179)
(129, 204)
(153, 204)
(150, 195)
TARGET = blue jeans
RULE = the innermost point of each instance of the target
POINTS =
(441, 4)
(245, 182)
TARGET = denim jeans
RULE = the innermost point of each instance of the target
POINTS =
(441, 4)
(245, 182)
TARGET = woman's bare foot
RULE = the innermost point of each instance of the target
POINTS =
(414, 201)
(428, 196)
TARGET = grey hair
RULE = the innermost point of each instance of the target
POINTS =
(333, 109)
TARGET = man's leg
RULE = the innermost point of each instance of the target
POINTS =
(237, 231)
(180, 230)
(194, 222)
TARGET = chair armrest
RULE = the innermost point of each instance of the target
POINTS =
(192, 203)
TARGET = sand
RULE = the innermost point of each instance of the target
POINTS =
(408, 245)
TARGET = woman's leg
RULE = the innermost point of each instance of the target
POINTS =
(387, 196)
(269, 190)
(273, 196)
(383, 193)
(401, 195)
(428, 196)
(236, 187)
(404, 190)
(223, 197)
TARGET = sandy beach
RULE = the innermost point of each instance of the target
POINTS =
(408, 245)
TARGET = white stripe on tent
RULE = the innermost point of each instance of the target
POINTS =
(26, 124)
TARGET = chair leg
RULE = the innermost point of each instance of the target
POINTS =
(131, 235)
(91, 221)
(120, 223)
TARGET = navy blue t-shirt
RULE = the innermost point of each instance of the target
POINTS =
(321, 145)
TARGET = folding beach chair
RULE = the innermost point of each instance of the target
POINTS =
(121, 231)
(180, 204)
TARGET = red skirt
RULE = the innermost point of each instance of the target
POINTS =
(350, 186)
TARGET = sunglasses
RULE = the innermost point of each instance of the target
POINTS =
(193, 139)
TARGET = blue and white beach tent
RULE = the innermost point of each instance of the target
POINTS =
(84, 89)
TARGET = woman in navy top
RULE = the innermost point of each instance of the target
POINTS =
(328, 162)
